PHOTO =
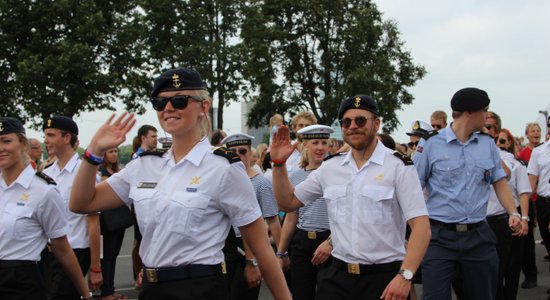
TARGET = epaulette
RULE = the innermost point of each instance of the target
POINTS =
(520, 161)
(538, 145)
(405, 158)
(47, 178)
(228, 154)
(156, 152)
(429, 134)
(48, 165)
(334, 155)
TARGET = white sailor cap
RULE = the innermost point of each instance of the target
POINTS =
(237, 139)
(316, 131)
(419, 128)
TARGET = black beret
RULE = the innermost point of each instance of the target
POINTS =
(61, 123)
(358, 102)
(177, 80)
(10, 125)
(469, 99)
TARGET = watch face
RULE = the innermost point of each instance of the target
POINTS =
(407, 274)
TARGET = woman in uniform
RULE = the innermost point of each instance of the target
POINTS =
(185, 198)
(308, 227)
(30, 214)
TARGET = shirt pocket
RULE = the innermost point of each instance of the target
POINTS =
(335, 197)
(449, 172)
(19, 222)
(187, 211)
(483, 172)
(377, 204)
(143, 206)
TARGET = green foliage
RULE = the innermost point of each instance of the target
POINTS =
(124, 154)
(68, 56)
(309, 55)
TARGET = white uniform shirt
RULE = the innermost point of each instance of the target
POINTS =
(518, 183)
(184, 210)
(78, 234)
(30, 213)
(293, 162)
(368, 207)
(539, 165)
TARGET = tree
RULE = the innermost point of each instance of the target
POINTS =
(201, 34)
(65, 57)
(310, 55)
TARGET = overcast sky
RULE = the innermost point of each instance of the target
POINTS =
(502, 47)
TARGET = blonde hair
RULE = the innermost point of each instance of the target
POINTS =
(531, 125)
(276, 119)
(303, 114)
(304, 158)
(24, 154)
(205, 124)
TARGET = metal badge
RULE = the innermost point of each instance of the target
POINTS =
(462, 227)
(176, 81)
(357, 102)
(147, 185)
(151, 275)
(354, 269)
(312, 235)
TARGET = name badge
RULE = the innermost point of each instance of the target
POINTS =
(190, 189)
(146, 185)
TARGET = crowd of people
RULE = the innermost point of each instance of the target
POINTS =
(453, 209)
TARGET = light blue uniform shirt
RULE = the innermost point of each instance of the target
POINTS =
(458, 176)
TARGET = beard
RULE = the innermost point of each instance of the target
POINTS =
(359, 140)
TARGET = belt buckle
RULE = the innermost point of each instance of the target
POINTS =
(224, 267)
(151, 275)
(312, 235)
(354, 269)
(461, 227)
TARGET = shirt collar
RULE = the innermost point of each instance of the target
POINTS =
(24, 179)
(376, 157)
(70, 166)
(196, 154)
(451, 136)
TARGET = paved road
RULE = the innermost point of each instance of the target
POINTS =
(125, 285)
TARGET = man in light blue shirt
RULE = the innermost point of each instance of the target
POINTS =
(457, 166)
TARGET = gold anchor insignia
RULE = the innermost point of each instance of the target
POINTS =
(176, 80)
(50, 123)
(379, 177)
(195, 180)
(1, 126)
(357, 102)
(416, 125)
(25, 197)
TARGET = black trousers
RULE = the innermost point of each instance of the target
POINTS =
(305, 273)
(543, 218)
(62, 286)
(504, 243)
(511, 278)
(239, 287)
(21, 283)
(112, 242)
(528, 264)
(207, 288)
(338, 284)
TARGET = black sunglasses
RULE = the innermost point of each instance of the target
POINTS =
(488, 126)
(178, 101)
(359, 121)
(413, 144)
(501, 141)
(437, 126)
(241, 151)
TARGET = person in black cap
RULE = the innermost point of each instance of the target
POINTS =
(185, 198)
(61, 138)
(371, 192)
(458, 165)
(31, 213)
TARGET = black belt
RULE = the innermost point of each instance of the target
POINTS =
(313, 235)
(457, 227)
(498, 218)
(156, 275)
(4, 264)
(366, 269)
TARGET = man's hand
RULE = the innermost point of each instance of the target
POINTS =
(398, 289)
(95, 280)
(281, 148)
(322, 253)
(252, 276)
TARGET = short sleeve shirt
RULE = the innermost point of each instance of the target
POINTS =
(314, 216)
(30, 214)
(367, 207)
(539, 166)
(184, 209)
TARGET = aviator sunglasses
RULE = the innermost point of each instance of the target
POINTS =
(241, 151)
(178, 101)
(359, 121)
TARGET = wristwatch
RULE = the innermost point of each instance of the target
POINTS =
(89, 297)
(252, 262)
(526, 218)
(406, 274)
(517, 215)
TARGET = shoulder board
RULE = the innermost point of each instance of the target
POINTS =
(334, 155)
(538, 145)
(520, 161)
(48, 165)
(228, 154)
(156, 152)
(429, 134)
(405, 158)
(47, 178)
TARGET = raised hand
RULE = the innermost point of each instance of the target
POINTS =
(112, 133)
(281, 148)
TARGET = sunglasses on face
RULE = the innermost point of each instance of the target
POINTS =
(489, 127)
(178, 101)
(413, 144)
(241, 151)
(437, 126)
(502, 141)
(359, 121)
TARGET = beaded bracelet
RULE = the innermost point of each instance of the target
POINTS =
(92, 159)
